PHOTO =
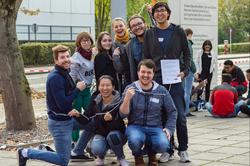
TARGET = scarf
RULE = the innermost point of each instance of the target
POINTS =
(123, 39)
(87, 54)
(70, 83)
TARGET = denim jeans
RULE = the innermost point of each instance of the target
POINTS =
(187, 84)
(154, 137)
(177, 93)
(61, 132)
(209, 107)
(196, 103)
(114, 140)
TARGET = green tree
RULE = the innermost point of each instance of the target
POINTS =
(15, 88)
(234, 14)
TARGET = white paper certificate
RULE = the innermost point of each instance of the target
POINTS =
(169, 71)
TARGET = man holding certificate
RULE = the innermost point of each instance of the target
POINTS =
(164, 44)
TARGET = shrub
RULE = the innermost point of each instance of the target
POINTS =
(236, 48)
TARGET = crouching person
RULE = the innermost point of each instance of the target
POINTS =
(142, 105)
(110, 128)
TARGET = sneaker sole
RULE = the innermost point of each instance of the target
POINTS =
(80, 160)
(170, 159)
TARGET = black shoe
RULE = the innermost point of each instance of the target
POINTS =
(21, 161)
(45, 147)
(189, 115)
(83, 157)
(72, 145)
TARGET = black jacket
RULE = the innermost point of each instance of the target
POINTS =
(178, 44)
(103, 127)
(104, 66)
(237, 76)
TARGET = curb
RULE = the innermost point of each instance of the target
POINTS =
(28, 144)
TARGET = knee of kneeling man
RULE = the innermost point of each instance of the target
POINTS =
(113, 137)
(161, 147)
(64, 161)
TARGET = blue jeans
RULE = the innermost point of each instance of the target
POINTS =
(154, 137)
(114, 140)
(61, 132)
(209, 107)
(187, 84)
(196, 103)
(177, 93)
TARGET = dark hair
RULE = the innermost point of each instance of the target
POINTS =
(188, 31)
(134, 17)
(106, 77)
(207, 42)
(226, 78)
(59, 48)
(99, 44)
(248, 71)
(161, 4)
(80, 36)
(149, 63)
(229, 62)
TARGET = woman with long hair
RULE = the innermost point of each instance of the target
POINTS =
(110, 128)
(205, 65)
(82, 68)
(103, 59)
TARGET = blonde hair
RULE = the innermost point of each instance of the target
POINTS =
(118, 19)
(59, 48)
(80, 36)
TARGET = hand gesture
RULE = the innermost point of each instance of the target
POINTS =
(117, 51)
(108, 117)
(74, 112)
(167, 132)
(181, 74)
(130, 93)
(81, 85)
(149, 8)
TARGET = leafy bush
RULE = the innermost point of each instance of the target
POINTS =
(41, 53)
(236, 48)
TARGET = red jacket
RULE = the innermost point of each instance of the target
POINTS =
(223, 98)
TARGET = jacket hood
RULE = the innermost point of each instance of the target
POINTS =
(115, 100)
(155, 85)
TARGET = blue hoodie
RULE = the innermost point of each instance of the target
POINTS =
(146, 110)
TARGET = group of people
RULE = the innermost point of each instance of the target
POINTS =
(129, 85)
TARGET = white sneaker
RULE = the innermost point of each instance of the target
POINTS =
(165, 157)
(99, 161)
(123, 162)
(242, 115)
(184, 156)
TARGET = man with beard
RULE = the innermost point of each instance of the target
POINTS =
(142, 105)
(133, 49)
(61, 92)
(168, 41)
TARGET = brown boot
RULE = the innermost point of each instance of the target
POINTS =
(139, 161)
(152, 160)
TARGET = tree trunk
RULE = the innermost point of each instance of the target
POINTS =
(16, 93)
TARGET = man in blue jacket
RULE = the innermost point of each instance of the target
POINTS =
(168, 41)
(143, 105)
(60, 94)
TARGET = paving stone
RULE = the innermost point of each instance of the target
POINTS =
(8, 162)
(195, 140)
(211, 136)
(228, 132)
(202, 148)
(239, 137)
(230, 150)
(210, 156)
(220, 164)
(202, 130)
(222, 142)
(240, 159)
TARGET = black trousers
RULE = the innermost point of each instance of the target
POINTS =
(205, 75)
(245, 109)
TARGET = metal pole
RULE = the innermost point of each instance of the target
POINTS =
(230, 41)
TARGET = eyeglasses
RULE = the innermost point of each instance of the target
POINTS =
(138, 24)
(160, 11)
(85, 41)
(226, 68)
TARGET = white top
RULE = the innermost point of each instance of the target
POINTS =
(198, 62)
(81, 68)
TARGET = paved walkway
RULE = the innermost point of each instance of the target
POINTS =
(212, 142)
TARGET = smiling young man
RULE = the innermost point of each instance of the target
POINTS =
(168, 41)
(238, 79)
(143, 105)
(61, 92)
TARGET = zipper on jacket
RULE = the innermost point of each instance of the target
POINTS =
(145, 112)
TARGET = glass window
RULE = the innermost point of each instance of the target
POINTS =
(60, 29)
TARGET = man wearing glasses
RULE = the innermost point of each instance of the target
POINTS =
(238, 78)
(168, 41)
